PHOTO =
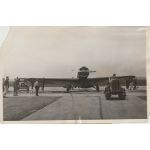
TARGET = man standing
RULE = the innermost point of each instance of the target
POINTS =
(131, 85)
(3, 83)
(15, 87)
(36, 85)
(113, 78)
(127, 83)
(28, 86)
(32, 85)
(43, 83)
(134, 83)
(6, 86)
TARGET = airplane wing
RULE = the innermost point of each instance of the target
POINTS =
(100, 81)
(74, 82)
(104, 80)
(52, 82)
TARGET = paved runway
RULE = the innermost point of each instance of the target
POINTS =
(79, 105)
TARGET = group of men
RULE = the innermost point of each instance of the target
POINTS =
(131, 84)
(6, 86)
(16, 86)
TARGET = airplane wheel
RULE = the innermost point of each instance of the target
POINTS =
(97, 88)
(108, 95)
(68, 89)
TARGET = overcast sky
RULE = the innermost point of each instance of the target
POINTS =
(61, 51)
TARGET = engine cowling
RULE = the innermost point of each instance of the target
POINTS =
(83, 73)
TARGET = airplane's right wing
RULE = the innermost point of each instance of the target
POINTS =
(102, 81)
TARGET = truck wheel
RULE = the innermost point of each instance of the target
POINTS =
(97, 88)
(122, 97)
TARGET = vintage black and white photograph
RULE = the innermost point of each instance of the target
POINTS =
(74, 73)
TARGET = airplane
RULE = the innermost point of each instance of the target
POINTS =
(82, 81)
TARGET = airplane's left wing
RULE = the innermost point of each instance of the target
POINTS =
(52, 82)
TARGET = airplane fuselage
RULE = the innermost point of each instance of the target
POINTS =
(82, 75)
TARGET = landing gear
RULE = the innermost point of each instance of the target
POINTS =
(68, 89)
(107, 95)
(97, 87)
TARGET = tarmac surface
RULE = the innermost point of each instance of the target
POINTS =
(79, 104)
